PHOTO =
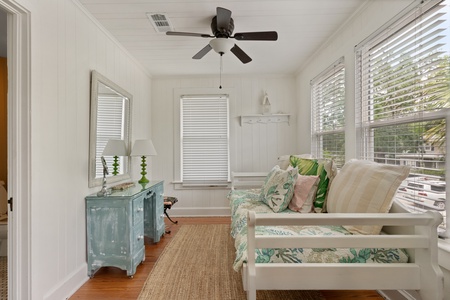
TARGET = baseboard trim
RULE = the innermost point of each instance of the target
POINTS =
(199, 212)
(69, 285)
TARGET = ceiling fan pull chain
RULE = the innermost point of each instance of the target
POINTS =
(220, 76)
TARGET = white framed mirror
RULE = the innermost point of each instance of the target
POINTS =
(110, 118)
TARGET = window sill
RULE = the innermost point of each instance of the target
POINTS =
(178, 185)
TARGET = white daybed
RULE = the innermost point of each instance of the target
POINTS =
(416, 233)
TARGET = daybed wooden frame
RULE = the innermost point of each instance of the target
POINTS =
(415, 232)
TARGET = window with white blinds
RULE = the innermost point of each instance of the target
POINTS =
(403, 89)
(111, 124)
(328, 122)
(204, 140)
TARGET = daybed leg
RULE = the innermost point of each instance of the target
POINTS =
(250, 283)
(251, 294)
(251, 270)
(431, 277)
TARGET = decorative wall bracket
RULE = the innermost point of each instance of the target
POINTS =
(264, 119)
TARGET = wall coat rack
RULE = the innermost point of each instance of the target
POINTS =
(265, 119)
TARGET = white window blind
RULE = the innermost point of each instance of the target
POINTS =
(204, 140)
(110, 125)
(328, 121)
(403, 101)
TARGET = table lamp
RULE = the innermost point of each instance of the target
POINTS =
(143, 148)
(115, 148)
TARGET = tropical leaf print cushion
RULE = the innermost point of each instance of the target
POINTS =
(279, 188)
(312, 255)
(316, 167)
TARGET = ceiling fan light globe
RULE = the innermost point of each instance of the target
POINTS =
(221, 45)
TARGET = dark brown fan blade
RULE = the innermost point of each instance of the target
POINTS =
(202, 52)
(240, 54)
(256, 36)
(203, 35)
(223, 17)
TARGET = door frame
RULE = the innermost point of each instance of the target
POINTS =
(19, 148)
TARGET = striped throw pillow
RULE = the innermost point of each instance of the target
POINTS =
(364, 186)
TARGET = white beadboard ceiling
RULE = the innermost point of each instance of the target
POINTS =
(302, 26)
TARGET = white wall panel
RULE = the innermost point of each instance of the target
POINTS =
(253, 147)
(66, 45)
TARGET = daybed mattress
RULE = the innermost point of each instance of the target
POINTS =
(242, 201)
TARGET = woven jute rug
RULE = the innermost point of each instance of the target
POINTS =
(197, 264)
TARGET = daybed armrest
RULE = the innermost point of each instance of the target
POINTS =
(247, 179)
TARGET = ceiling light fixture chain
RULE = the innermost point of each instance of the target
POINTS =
(220, 71)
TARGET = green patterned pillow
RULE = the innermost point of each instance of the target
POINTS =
(279, 188)
(270, 174)
(324, 169)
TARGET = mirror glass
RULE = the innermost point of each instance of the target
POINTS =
(110, 119)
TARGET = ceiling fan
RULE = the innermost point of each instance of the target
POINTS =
(222, 26)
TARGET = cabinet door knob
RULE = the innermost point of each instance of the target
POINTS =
(140, 237)
(140, 209)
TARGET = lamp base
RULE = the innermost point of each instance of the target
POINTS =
(115, 165)
(144, 180)
(143, 172)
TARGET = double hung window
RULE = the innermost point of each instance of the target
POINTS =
(402, 100)
(328, 98)
(204, 121)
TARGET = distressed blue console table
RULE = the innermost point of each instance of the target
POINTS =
(116, 225)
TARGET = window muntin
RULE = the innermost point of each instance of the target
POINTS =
(204, 139)
(403, 102)
(328, 121)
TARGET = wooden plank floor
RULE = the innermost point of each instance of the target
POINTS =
(112, 283)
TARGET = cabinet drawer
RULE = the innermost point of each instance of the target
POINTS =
(138, 210)
(137, 238)
(159, 208)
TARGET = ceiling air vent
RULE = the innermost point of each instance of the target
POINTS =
(160, 22)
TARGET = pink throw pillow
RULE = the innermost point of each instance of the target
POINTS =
(304, 193)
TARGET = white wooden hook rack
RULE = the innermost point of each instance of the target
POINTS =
(264, 119)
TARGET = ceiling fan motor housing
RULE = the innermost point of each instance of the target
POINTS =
(222, 26)
(222, 32)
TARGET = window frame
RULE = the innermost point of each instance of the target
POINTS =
(364, 128)
(177, 154)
